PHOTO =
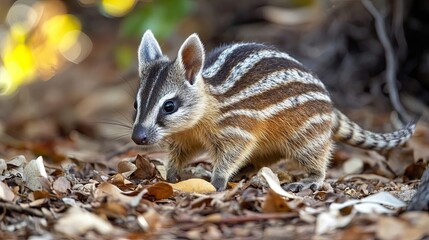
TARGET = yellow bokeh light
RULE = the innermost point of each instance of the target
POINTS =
(38, 45)
(6, 82)
(117, 8)
(18, 60)
(57, 30)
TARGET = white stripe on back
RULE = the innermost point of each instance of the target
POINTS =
(272, 81)
(277, 107)
(244, 66)
(216, 66)
(308, 125)
(236, 131)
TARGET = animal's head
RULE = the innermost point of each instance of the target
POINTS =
(170, 97)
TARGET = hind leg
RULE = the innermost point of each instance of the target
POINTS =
(244, 172)
(314, 161)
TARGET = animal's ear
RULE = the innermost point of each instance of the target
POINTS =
(149, 49)
(191, 57)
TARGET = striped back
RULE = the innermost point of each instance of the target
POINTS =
(256, 83)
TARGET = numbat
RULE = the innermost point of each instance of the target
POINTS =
(246, 104)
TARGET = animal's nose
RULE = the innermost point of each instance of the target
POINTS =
(139, 136)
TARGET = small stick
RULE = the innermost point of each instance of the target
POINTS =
(390, 59)
(251, 218)
(17, 208)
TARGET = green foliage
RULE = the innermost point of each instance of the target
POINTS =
(161, 16)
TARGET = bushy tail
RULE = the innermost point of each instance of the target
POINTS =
(349, 132)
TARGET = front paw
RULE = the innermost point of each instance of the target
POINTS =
(299, 186)
(172, 176)
(219, 183)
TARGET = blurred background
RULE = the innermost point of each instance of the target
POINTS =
(68, 68)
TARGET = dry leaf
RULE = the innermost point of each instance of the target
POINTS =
(372, 204)
(333, 219)
(3, 166)
(142, 222)
(274, 203)
(411, 225)
(419, 142)
(5, 193)
(274, 183)
(111, 209)
(399, 159)
(61, 185)
(384, 198)
(415, 170)
(108, 189)
(126, 168)
(391, 228)
(160, 190)
(365, 177)
(33, 172)
(145, 169)
(35, 203)
(17, 161)
(162, 171)
(150, 220)
(39, 195)
(417, 219)
(340, 214)
(196, 185)
(353, 165)
(78, 221)
(120, 181)
(117, 179)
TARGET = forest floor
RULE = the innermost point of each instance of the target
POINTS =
(72, 189)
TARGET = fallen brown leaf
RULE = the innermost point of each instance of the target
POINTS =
(145, 169)
(160, 190)
(274, 203)
(420, 142)
(5, 193)
(353, 165)
(196, 185)
(126, 168)
(110, 190)
(78, 221)
(33, 172)
(111, 209)
(415, 170)
(399, 159)
(61, 185)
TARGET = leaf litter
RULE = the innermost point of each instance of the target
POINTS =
(82, 187)
(132, 200)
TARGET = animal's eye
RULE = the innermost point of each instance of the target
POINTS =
(135, 105)
(169, 106)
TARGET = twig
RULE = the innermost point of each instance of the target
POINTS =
(17, 208)
(251, 218)
(398, 20)
(390, 59)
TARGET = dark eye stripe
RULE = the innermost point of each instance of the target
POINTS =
(155, 79)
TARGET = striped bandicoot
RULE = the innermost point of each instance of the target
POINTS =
(246, 104)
